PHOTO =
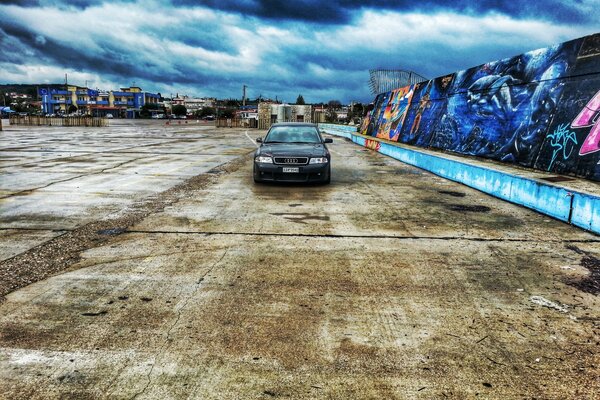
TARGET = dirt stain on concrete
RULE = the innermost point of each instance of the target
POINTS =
(591, 283)
(301, 218)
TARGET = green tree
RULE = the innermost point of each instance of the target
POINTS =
(227, 113)
(359, 110)
(146, 109)
(331, 115)
(300, 100)
(72, 109)
(179, 110)
(205, 111)
(334, 104)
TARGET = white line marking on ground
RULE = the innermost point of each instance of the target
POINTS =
(253, 142)
(336, 152)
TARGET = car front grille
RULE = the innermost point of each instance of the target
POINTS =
(291, 160)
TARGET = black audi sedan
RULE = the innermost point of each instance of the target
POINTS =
(292, 152)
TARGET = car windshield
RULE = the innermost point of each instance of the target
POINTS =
(293, 134)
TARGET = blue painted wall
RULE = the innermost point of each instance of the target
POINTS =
(540, 110)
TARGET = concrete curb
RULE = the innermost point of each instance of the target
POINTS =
(579, 209)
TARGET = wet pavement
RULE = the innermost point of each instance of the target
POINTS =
(388, 283)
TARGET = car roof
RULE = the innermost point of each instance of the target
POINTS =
(294, 124)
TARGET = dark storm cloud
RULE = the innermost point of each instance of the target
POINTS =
(320, 49)
(79, 4)
(112, 58)
(342, 11)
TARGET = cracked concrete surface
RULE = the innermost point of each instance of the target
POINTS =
(388, 283)
(56, 179)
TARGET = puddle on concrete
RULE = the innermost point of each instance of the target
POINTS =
(591, 283)
(111, 232)
(452, 193)
(94, 314)
(461, 207)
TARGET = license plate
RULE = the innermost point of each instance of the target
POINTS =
(291, 169)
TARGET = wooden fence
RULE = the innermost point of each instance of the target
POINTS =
(35, 120)
(237, 123)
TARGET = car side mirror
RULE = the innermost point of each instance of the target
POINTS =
(328, 140)
(259, 140)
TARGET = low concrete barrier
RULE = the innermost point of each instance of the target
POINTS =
(339, 130)
(579, 209)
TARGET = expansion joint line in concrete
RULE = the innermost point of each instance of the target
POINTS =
(335, 236)
(28, 229)
(27, 191)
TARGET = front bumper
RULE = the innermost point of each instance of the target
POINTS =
(307, 173)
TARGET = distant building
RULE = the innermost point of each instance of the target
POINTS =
(21, 96)
(269, 113)
(319, 113)
(247, 112)
(125, 103)
(194, 104)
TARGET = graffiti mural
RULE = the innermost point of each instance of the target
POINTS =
(579, 109)
(500, 110)
(589, 116)
(373, 144)
(540, 109)
(428, 105)
(395, 113)
(563, 141)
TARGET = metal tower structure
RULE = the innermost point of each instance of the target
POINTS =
(384, 80)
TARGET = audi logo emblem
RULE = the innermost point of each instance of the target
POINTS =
(291, 161)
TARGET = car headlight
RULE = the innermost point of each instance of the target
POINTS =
(318, 160)
(264, 160)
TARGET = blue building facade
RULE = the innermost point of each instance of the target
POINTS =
(125, 103)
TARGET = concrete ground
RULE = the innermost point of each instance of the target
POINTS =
(388, 283)
(55, 179)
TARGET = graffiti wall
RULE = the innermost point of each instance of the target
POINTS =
(540, 110)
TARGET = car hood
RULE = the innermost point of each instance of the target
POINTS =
(293, 149)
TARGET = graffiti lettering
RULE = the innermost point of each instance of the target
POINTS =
(591, 144)
(373, 144)
(562, 140)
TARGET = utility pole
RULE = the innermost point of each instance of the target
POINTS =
(67, 95)
(244, 96)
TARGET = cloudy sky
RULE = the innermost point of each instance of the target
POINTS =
(320, 49)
